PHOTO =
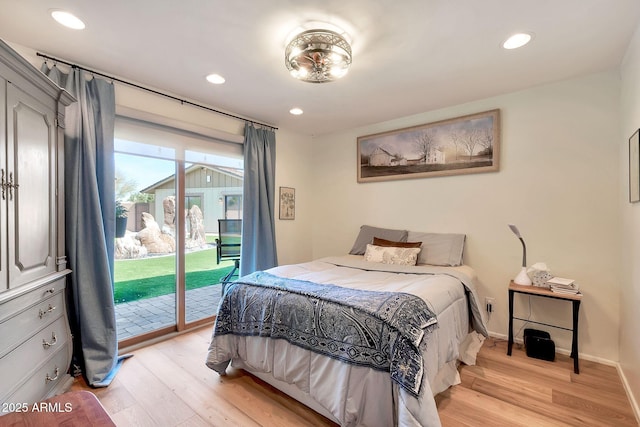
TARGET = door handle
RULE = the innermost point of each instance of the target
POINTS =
(11, 186)
(3, 184)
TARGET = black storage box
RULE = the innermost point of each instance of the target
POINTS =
(539, 345)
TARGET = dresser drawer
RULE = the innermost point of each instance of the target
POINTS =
(28, 357)
(31, 319)
(41, 382)
(24, 296)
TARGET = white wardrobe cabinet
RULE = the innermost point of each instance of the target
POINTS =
(35, 342)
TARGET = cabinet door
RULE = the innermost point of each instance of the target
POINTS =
(31, 201)
(4, 275)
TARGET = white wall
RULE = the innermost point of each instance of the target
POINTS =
(294, 164)
(630, 277)
(558, 181)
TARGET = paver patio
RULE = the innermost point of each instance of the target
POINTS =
(145, 315)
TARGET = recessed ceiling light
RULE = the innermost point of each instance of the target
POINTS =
(517, 40)
(216, 79)
(68, 19)
(296, 111)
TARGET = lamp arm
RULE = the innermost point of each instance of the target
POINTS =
(524, 253)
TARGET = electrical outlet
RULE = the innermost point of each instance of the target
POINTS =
(489, 304)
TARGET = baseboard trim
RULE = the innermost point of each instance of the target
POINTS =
(630, 396)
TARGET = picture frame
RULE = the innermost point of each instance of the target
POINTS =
(287, 203)
(634, 167)
(461, 145)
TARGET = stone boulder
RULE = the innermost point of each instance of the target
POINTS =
(128, 247)
(153, 238)
(169, 208)
(195, 222)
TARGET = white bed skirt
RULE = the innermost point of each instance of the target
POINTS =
(287, 368)
(447, 375)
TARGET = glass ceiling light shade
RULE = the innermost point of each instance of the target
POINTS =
(318, 56)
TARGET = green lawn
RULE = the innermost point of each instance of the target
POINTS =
(150, 277)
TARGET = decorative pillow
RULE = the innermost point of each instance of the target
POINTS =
(390, 243)
(391, 255)
(439, 248)
(367, 233)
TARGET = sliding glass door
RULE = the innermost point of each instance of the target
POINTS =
(167, 277)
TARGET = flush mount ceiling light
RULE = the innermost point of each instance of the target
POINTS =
(517, 40)
(296, 111)
(318, 56)
(67, 19)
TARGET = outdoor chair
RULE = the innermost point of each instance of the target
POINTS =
(228, 245)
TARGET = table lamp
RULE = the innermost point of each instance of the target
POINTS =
(522, 278)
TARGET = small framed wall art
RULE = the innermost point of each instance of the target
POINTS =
(634, 167)
(287, 203)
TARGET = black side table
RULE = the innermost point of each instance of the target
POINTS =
(547, 293)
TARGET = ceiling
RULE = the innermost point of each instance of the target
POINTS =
(409, 56)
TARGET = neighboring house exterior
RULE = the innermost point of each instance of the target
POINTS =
(216, 190)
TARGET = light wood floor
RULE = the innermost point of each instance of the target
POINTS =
(167, 384)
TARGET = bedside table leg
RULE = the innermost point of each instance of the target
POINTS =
(574, 341)
(510, 343)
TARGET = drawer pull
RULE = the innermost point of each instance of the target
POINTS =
(50, 291)
(47, 311)
(54, 340)
(55, 375)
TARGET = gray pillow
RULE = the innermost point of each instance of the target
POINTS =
(439, 248)
(367, 233)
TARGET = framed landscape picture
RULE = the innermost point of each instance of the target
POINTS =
(463, 145)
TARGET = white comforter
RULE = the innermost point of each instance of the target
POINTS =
(354, 395)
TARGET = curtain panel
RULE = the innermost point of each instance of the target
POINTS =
(258, 248)
(90, 221)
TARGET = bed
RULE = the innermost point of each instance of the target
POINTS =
(418, 322)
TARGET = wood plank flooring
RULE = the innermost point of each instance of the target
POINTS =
(522, 391)
(167, 385)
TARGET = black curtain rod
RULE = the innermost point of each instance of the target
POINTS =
(166, 95)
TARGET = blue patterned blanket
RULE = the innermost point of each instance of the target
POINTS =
(380, 330)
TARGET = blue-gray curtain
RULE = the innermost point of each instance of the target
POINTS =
(90, 221)
(258, 222)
